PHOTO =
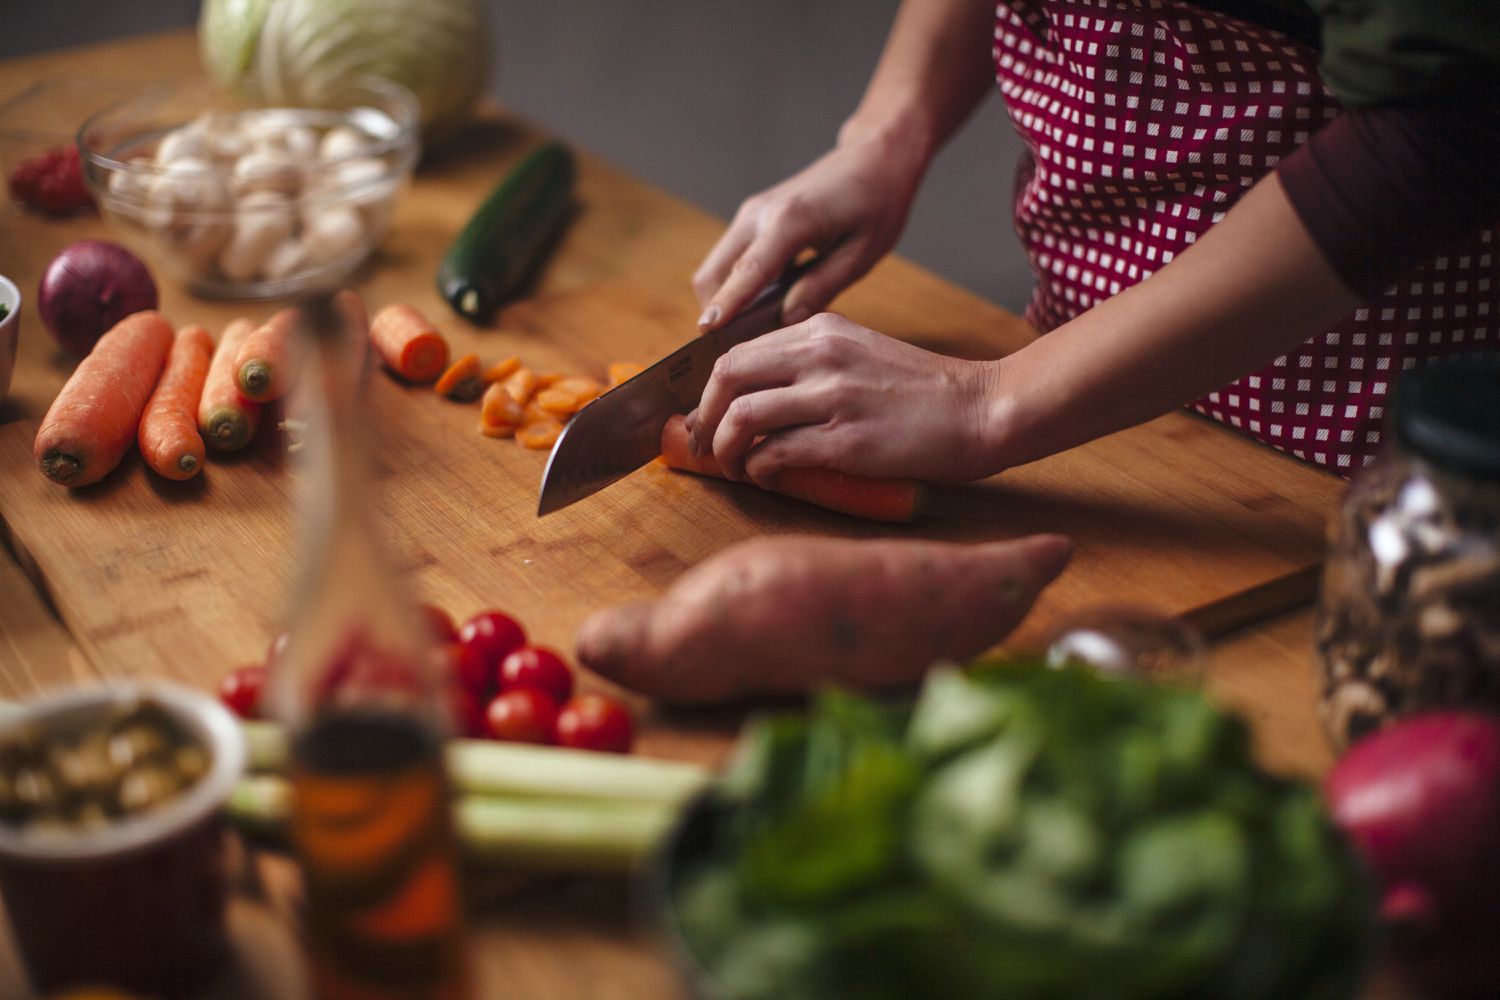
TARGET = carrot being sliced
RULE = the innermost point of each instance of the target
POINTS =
(500, 408)
(546, 380)
(521, 384)
(556, 402)
(226, 418)
(409, 345)
(496, 430)
(534, 414)
(264, 364)
(168, 436)
(623, 371)
(502, 369)
(95, 418)
(896, 500)
(539, 436)
(462, 382)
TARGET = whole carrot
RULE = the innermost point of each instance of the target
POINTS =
(408, 344)
(860, 496)
(168, 435)
(93, 420)
(226, 418)
(264, 364)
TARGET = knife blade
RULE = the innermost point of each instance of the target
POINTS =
(621, 430)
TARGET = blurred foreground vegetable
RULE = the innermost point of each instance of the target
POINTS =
(1421, 800)
(1023, 832)
(569, 810)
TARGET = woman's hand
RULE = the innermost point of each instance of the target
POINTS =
(830, 393)
(850, 206)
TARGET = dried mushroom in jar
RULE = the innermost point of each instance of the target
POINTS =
(132, 759)
(1410, 612)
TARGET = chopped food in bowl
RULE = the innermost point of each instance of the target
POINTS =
(252, 202)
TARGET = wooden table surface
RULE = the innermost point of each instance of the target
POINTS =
(136, 577)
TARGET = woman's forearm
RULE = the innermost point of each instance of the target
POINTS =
(1254, 287)
(935, 67)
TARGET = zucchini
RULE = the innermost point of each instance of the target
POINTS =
(509, 234)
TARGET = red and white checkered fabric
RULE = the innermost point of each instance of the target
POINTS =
(1145, 121)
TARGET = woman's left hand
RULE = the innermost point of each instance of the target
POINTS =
(829, 393)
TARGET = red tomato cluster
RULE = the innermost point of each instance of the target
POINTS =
(51, 181)
(503, 688)
(508, 689)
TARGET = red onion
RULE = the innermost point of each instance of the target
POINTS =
(1421, 802)
(90, 287)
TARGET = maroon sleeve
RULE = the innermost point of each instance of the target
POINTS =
(1384, 190)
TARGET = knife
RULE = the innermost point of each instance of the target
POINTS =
(621, 430)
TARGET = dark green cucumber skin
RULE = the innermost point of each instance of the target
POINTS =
(505, 239)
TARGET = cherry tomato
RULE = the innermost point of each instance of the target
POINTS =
(537, 667)
(487, 638)
(241, 689)
(439, 623)
(524, 715)
(594, 722)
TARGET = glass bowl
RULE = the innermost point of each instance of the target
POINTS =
(252, 202)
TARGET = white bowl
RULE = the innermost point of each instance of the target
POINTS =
(10, 332)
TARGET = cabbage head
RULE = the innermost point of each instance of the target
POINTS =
(301, 51)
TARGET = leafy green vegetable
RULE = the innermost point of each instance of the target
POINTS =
(4, 310)
(1022, 832)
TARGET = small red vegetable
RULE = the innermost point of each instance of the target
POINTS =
(537, 667)
(241, 689)
(594, 722)
(487, 638)
(51, 181)
(523, 715)
(1421, 802)
(88, 288)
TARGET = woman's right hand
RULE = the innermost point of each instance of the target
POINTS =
(850, 206)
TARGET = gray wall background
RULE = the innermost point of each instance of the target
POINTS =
(710, 99)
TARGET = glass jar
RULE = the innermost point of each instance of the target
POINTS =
(1409, 616)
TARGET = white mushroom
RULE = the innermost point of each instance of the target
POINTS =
(180, 144)
(333, 233)
(301, 143)
(263, 221)
(342, 141)
(132, 183)
(286, 260)
(264, 169)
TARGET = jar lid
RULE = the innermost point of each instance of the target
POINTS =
(1449, 413)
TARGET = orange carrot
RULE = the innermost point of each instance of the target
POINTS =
(408, 344)
(264, 364)
(94, 419)
(168, 436)
(521, 384)
(546, 380)
(502, 369)
(623, 371)
(462, 382)
(500, 408)
(539, 436)
(226, 418)
(858, 496)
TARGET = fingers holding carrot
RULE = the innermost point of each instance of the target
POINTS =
(168, 435)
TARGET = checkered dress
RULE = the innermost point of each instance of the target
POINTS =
(1145, 121)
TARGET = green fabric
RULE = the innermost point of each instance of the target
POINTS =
(1391, 52)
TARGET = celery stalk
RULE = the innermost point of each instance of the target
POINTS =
(513, 770)
(561, 834)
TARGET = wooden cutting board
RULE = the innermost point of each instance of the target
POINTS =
(186, 580)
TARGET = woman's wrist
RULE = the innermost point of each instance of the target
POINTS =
(905, 137)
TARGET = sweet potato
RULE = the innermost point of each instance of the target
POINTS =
(789, 613)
